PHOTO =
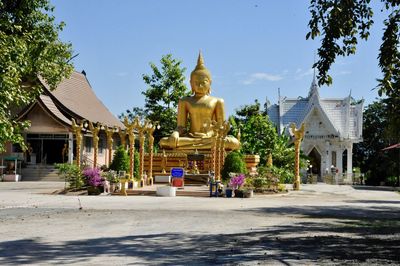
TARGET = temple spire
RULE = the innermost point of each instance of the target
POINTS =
(314, 84)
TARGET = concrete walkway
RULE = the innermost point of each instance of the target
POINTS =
(321, 224)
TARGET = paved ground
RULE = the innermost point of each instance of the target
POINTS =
(321, 224)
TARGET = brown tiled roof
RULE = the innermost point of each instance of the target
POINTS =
(77, 96)
(51, 106)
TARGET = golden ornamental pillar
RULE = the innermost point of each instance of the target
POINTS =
(298, 136)
(78, 135)
(223, 129)
(226, 128)
(164, 162)
(95, 132)
(150, 131)
(130, 130)
(122, 136)
(141, 128)
(109, 133)
(213, 125)
(214, 153)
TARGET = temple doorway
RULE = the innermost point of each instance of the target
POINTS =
(46, 148)
(315, 162)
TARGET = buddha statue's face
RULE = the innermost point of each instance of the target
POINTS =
(200, 83)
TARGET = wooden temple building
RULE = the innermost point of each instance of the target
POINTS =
(51, 139)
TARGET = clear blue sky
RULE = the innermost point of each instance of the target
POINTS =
(251, 47)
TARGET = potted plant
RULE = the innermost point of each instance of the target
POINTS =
(248, 188)
(111, 176)
(93, 180)
(166, 191)
(229, 192)
(236, 182)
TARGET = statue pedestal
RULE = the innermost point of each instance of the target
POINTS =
(180, 159)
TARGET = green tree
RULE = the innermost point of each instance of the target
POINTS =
(283, 153)
(166, 85)
(259, 136)
(29, 48)
(342, 23)
(258, 133)
(368, 154)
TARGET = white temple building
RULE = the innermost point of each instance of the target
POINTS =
(331, 127)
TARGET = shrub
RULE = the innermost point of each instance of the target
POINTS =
(391, 181)
(234, 163)
(120, 161)
(71, 174)
(286, 176)
(136, 165)
(265, 180)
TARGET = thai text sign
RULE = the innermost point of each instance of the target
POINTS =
(177, 172)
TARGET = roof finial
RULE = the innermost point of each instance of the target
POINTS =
(314, 84)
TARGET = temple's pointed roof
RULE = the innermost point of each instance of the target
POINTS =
(314, 89)
(341, 116)
(74, 98)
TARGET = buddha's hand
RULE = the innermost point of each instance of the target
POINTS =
(173, 139)
(199, 135)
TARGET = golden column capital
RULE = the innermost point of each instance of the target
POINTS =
(122, 135)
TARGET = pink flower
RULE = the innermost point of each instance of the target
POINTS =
(93, 177)
(237, 181)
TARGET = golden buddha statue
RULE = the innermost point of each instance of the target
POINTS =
(200, 109)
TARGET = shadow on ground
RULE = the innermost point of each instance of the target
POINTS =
(321, 235)
(375, 188)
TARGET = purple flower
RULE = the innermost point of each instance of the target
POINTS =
(93, 177)
(237, 181)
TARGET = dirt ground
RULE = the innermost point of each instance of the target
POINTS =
(319, 225)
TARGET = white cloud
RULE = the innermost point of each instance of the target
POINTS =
(261, 76)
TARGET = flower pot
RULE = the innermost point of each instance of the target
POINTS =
(248, 193)
(229, 193)
(94, 190)
(239, 193)
(166, 191)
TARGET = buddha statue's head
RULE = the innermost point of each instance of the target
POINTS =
(200, 78)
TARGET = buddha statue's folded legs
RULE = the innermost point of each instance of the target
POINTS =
(187, 143)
